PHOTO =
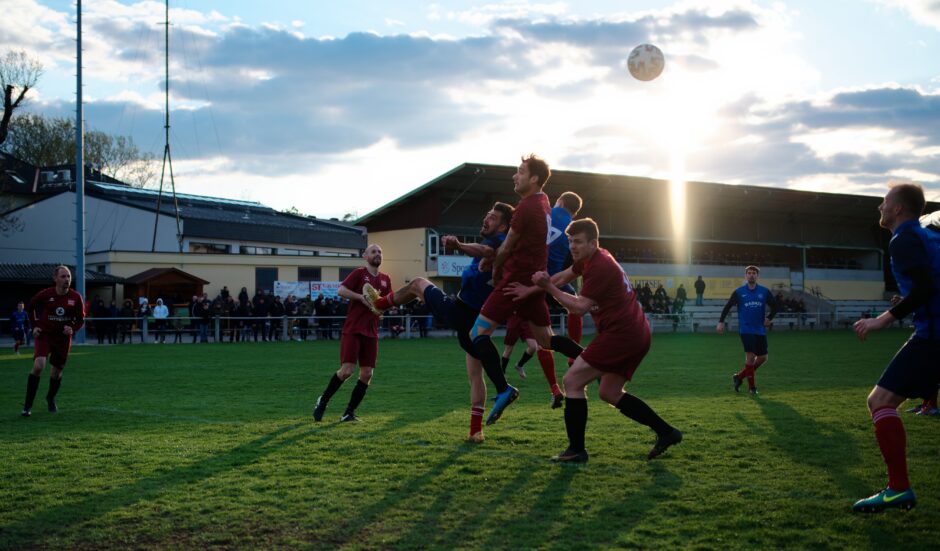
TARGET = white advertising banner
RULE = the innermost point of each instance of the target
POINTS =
(328, 289)
(452, 266)
(300, 289)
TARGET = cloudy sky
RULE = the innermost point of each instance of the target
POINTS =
(337, 107)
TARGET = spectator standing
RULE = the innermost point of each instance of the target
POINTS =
(160, 314)
(699, 291)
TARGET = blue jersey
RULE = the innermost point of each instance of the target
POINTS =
(751, 308)
(19, 320)
(558, 240)
(914, 247)
(475, 285)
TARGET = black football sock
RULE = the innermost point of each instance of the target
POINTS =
(54, 385)
(489, 357)
(358, 394)
(331, 388)
(32, 385)
(505, 363)
(566, 346)
(576, 414)
(636, 409)
(525, 358)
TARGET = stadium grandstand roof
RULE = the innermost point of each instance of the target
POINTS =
(639, 208)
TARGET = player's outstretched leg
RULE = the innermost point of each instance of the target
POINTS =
(639, 411)
(566, 346)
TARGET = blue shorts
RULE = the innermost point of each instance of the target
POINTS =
(915, 370)
(453, 312)
(19, 335)
(756, 344)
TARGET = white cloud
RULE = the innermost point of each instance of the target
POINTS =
(924, 12)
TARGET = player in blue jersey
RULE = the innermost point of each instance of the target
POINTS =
(567, 206)
(461, 312)
(914, 371)
(19, 324)
(752, 301)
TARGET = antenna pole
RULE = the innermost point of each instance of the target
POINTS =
(79, 169)
(167, 157)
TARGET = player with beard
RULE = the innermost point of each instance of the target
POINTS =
(359, 339)
(461, 312)
(57, 313)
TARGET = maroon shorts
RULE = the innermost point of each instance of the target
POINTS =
(358, 349)
(617, 352)
(55, 347)
(499, 307)
(516, 328)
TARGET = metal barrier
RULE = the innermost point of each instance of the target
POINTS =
(123, 329)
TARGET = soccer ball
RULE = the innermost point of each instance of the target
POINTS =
(646, 62)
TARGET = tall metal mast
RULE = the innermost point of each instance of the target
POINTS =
(79, 169)
(167, 158)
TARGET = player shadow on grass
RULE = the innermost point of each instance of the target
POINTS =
(809, 442)
(67, 516)
(357, 529)
(620, 515)
(804, 439)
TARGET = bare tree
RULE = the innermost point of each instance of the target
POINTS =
(49, 141)
(18, 74)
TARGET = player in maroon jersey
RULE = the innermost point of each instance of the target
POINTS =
(623, 339)
(524, 252)
(56, 314)
(359, 340)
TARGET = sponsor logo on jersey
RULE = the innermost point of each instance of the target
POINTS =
(59, 311)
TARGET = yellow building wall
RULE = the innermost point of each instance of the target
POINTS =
(403, 254)
(848, 290)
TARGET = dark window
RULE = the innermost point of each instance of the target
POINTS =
(344, 273)
(208, 248)
(247, 249)
(265, 278)
(101, 269)
(308, 274)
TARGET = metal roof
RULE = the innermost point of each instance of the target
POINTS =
(42, 273)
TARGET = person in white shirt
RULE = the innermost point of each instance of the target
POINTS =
(160, 314)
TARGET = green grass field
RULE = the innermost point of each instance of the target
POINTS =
(213, 446)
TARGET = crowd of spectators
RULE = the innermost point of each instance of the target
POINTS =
(241, 318)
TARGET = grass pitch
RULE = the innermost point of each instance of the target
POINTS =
(213, 446)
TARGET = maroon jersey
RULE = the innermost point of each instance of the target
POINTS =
(531, 221)
(51, 311)
(606, 284)
(359, 319)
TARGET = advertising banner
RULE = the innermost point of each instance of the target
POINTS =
(300, 289)
(328, 289)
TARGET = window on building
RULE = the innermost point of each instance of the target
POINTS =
(101, 268)
(209, 248)
(265, 278)
(308, 273)
(334, 253)
(250, 249)
(344, 273)
(296, 252)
